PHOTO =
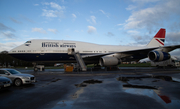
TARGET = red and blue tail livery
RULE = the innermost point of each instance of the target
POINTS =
(158, 39)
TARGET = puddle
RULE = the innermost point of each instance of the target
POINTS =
(55, 80)
(165, 78)
(51, 81)
(165, 98)
(92, 81)
(63, 105)
(68, 104)
(175, 79)
(155, 94)
(138, 86)
(77, 93)
(150, 91)
(126, 78)
(80, 85)
(85, 83)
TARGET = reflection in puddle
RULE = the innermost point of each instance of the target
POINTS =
(175, 79)
(138, 86)
(85, 83)
(154, 94)
(165, 98)
(64, 105)
(147, 90)
(69, 104)
(165, 78)
(77, 93)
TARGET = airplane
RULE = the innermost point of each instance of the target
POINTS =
(60, 51)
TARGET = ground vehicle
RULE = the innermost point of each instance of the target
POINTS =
(17, 77)
(5, 82)
(172, 62)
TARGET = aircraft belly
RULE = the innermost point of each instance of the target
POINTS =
(48, 57)
(44, 57)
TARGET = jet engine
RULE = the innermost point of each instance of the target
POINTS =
(108, 61)
(157, 56)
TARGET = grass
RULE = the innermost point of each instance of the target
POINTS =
(92, 65)
(135, 65)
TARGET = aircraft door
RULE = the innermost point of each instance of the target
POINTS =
(42, 52)
(71, 51)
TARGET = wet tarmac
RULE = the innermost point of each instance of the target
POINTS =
(93, 90)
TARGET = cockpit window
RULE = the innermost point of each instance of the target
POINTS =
(28, 42)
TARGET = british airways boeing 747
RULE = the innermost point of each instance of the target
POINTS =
(105, 55)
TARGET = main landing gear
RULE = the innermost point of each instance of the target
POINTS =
(38, 67)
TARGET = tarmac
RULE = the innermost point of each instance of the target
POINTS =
(129, 88)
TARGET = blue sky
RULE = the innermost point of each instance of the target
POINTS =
(111, 22)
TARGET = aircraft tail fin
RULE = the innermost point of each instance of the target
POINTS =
(159, 39)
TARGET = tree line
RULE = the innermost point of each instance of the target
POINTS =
(9, 61)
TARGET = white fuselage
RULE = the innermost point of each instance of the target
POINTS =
(56, 50)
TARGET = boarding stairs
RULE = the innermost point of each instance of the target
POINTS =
(80, 61)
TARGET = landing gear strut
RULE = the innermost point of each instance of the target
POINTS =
(38, 67)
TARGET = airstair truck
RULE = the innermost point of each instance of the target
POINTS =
(172, 62)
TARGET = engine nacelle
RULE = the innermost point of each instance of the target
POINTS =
(108, 61)
(157, 56)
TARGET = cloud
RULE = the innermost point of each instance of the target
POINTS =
(15, 21)
(133, 32)
(92, 20)
(56, 11)
(56, 6)
(4, 28)
(45, 3)
(53, 30)
(74, 16)
(49, 13)
(145, 1)
(9, 45)
(173, 38)
(40, 30)
(120, 24)
(110, 34)
(68, 36)
(131, 7)
(7, 34)
(27, 19)
(91, 29)
(175, 53)
(62, 1)
(152, 16)
(104, 13)
(137, 39)
(36, 4)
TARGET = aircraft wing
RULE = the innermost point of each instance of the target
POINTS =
(123, 53)
(170, 48)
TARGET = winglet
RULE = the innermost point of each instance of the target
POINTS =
(158, 39)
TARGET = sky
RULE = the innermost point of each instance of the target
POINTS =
(107, 22)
